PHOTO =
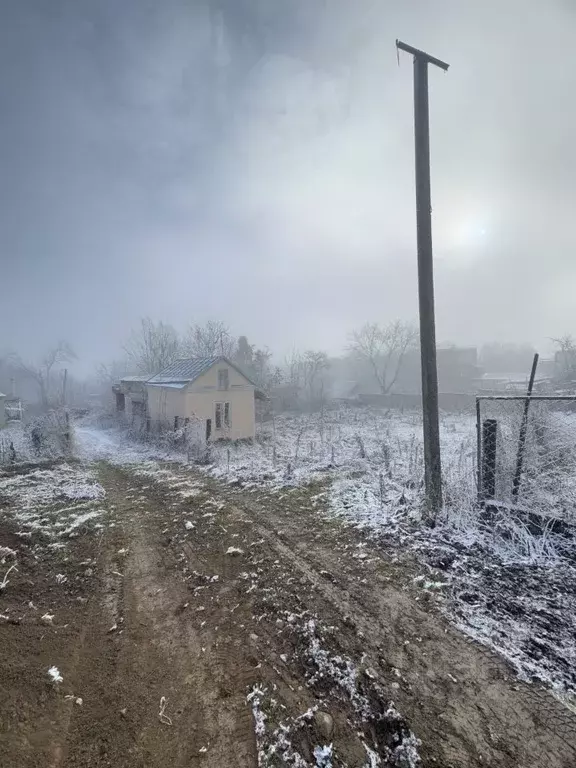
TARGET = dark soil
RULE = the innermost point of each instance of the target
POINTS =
(308, 613)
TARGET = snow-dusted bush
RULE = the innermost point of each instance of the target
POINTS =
(51, 435)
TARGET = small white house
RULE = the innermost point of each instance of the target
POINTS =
(210, 392)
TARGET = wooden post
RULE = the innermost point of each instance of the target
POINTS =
(523, 431)
(489, 433)
(432, 462)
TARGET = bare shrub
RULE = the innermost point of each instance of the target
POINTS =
(50, 435)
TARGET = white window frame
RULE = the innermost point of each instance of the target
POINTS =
(225, 420)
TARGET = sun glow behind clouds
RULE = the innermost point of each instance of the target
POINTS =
(463, 234)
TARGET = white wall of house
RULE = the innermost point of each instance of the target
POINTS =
(207, 395)
(164, 404)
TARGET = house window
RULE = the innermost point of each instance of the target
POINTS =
(222, 415)
(223, 382)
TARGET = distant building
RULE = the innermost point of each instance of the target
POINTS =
(458, 371)
(345, 390)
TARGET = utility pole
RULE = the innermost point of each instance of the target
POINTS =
(432, 462)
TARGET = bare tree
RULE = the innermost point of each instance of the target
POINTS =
(152, 347)
(314, 364)
(256, 363)
(384, 349)
(210, 340)
(107, 374)
(42, 373)
(244, 353)
(263, 372)
(304, 373)
(294, 369)
(566, 357)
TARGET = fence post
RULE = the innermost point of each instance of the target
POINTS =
(478, 450)
(489, 432)
(523, 431)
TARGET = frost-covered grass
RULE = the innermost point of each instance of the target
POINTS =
(508, 587)
(373, 456)
(14, 434)
(54, 501)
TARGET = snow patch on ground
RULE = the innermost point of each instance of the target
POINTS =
(54, 675)
(38, 500)
(115, 445)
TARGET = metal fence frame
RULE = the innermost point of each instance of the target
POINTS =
(527, 399)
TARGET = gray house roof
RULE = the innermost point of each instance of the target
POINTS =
(182, 372)
(134, 378)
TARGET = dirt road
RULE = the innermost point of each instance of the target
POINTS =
(207, 625)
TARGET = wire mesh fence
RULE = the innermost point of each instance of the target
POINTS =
(527, 453)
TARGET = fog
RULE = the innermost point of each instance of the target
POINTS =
(252, 161)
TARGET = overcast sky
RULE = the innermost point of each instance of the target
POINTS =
(252, 161)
